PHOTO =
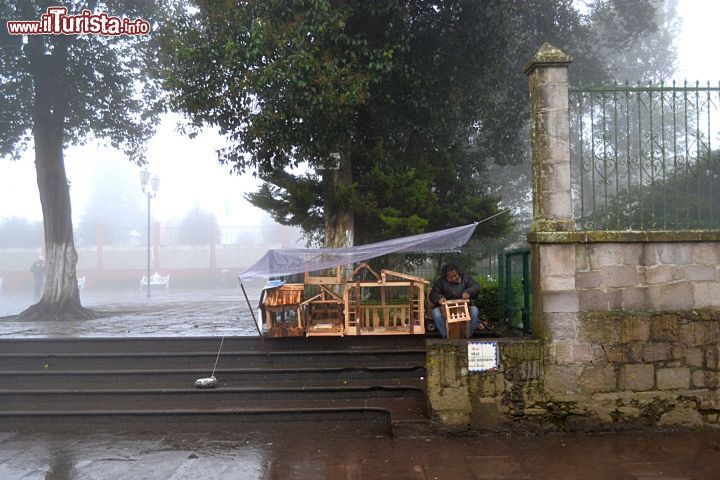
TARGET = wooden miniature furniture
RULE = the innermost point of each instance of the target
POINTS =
(323, 314)
(456, 311)
(387, 304)
(457, 317)
(324, 280)
(281, 310)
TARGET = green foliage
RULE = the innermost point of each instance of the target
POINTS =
(104, 81)
(488, 301)
(378, 82)
(688, 198)
(419, 97)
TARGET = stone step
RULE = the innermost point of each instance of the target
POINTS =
(32, 379)
(176, 398)
(202, 359)
(68, 383)
(206, 344)
(406, 416)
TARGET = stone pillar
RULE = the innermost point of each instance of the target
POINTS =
(550, 139)
(555, 301)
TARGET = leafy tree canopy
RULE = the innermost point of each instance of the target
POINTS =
(100, 90)
(420, 97)
(61, 90)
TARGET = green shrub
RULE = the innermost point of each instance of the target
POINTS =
(488, 301)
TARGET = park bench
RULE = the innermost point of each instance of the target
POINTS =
(156, 280)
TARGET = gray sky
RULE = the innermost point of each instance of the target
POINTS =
(190, 175)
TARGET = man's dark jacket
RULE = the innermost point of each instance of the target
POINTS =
(453, 291)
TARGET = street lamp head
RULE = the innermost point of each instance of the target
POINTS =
(155, 183)
(144, 177)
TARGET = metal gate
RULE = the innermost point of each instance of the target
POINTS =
(515, 289)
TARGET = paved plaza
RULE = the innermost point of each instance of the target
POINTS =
(325, 450)
(352, 451)
(188, 312)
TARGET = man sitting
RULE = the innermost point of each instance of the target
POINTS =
(453, 285)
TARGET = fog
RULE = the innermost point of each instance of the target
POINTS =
(190, 179)
(109, 207)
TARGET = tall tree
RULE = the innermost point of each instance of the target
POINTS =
(368, 96)
(610, 40)
(61, 90)
(416, 98)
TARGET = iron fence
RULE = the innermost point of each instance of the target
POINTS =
(642, 156)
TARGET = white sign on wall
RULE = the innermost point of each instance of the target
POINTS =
(482, 356)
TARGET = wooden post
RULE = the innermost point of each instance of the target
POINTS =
(358, 320)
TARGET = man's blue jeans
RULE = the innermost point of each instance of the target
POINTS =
(440, 322)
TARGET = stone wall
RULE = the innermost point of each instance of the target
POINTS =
(631, 326)
(492, 400)
(628, 323)
(637, 370)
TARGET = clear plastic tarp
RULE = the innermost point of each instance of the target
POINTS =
(276, 263)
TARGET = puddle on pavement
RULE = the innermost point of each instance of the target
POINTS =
(351, 450)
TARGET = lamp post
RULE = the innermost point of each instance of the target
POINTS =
(150, 188)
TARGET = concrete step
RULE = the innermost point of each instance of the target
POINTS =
(177, 398)
(202, 359)
(406, 416)
(169, 378)
(74, 382)
(206, 344)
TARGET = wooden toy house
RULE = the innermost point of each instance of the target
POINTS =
(386, 304)
(457, 317)
(323, 314)
(281, 310)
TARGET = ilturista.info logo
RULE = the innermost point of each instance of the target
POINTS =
(57, 21)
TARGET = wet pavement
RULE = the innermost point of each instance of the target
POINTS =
(346, 450)
(131, 313)
(349, 451)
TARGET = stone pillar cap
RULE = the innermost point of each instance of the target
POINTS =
(548, 55)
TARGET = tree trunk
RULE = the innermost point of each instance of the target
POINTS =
(61, 297)
(339, 221)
